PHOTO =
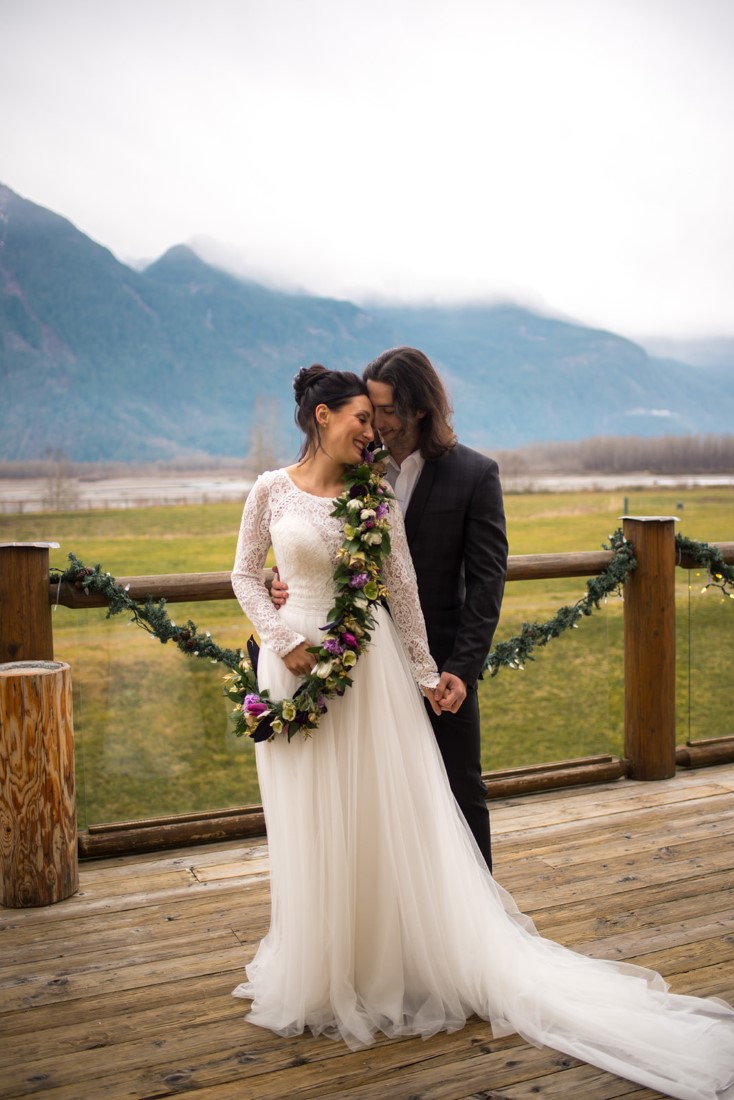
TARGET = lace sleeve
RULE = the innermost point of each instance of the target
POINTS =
(405, 608)
(247, 576)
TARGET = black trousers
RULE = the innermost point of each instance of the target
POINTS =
(459, 740)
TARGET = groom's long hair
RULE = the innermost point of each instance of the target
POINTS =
(417, 388)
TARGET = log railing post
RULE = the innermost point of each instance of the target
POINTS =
(25, 613)
(649, 649)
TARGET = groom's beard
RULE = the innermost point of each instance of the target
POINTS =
(401, 443)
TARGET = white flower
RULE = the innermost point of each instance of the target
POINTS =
(323, 669)
(367, 513)
(372, 538)
(354, 504)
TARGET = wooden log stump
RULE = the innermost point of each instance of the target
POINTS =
(38, 832)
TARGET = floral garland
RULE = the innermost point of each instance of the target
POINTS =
(363, 509)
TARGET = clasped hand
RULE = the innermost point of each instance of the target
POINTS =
(449, 694)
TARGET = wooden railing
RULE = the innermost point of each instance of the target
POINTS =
(650, 752)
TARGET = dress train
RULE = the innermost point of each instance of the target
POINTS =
(384, 917)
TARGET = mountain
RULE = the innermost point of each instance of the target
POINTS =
(518, 377)
(105, 362)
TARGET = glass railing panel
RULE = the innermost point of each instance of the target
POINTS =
(152, 731)
(152, 725)
(705, 630)
(152, 728)
(569, 701)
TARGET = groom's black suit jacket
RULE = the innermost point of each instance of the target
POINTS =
(455, 525)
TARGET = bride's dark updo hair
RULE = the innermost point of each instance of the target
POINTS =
(315, 385)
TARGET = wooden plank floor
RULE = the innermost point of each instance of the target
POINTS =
(124, 990)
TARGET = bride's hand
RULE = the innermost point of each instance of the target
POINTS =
(430, 693)
(299, 661)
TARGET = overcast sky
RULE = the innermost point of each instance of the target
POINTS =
(576, 154)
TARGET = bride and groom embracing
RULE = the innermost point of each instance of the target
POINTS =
(384, 914)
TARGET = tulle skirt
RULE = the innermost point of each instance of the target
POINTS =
(385, 918)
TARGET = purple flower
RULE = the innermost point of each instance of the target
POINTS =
(369, 524)
(359, 580)
(254, 705)
(357, 490)
(332, 646)
(368, 455)
(321, 703)
(350, 640)
(381, 510)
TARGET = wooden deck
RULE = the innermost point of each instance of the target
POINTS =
(123, 991)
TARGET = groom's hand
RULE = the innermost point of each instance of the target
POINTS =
(450, 693)
(278, 589)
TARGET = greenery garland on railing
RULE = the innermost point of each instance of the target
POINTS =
(720, 575)
(153, 617)
(517, 650)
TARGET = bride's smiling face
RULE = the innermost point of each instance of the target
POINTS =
(346, 431)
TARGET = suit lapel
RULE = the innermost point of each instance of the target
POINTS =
(418, 500)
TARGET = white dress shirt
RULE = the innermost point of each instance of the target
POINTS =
(404, 478)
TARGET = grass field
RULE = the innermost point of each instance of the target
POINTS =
(151, 725)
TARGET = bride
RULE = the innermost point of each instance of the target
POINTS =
(384, 916)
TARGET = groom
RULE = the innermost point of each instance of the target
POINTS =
(454, 518)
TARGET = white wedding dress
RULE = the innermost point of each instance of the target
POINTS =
(384, 916)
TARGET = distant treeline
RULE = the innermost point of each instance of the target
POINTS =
(620, 454)
(667, 454)
(60, 465)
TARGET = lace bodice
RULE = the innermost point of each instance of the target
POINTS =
(305, 538)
